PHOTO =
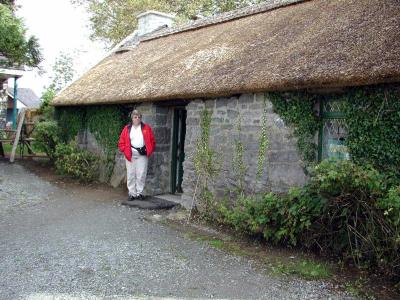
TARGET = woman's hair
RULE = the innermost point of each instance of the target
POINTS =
(135, 112)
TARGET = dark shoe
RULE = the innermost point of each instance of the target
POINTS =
(140, 197)
(131, 198)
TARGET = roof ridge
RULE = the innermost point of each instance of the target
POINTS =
(221, 18)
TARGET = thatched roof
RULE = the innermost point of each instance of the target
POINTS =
(310, 44)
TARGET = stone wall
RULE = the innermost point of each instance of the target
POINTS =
(160, 120)
(158, 175)
(283, 167)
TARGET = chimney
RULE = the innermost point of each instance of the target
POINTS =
(151, 20)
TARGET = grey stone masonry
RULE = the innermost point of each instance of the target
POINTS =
(282, 168)
(158, 174)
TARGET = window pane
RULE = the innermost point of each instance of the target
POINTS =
(334, 139)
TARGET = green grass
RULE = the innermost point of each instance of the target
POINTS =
(219, 244)
(306, 269)
(8, 148)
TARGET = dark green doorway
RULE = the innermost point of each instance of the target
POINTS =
(178, 149)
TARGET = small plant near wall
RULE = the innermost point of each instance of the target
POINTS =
(77, 163)
(47, 136)
(206, 165)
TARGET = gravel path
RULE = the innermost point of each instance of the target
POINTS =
(80, 243)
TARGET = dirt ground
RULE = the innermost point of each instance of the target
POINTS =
(61, 239)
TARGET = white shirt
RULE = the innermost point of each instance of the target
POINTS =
(136, 136)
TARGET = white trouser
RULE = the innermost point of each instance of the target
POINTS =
(136, 173)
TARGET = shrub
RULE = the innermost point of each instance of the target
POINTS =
(80, 164)
(279, 219)
(47, 135)
(345, 210)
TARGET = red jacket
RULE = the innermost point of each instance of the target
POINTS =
(124, 144)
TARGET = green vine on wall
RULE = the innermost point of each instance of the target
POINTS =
(106, 123)
(71, 121)
(297, 110)
(373, 120)
(205, 164)
(239, 167)
(263, 143)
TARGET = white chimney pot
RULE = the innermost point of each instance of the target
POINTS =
(152, 20)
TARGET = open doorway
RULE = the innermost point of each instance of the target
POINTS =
(178, 149)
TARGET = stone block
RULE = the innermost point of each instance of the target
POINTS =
(233, 103)
(246, 98)
(162, 135)
(215, 120)
(222, 102)
(256, 106)
(118, 176)
(193, 121)
(232, 114)
(161, 110)
(210, 104)
(160, 120)
(289, 156)
(286, 175)
(149, 119)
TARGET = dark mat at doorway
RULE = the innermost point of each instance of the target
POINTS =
(150, 203)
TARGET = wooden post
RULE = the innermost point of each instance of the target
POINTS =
(18, 133)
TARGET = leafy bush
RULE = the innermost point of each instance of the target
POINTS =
(278, 218)
(47, 135)
(345, 209)
(353, 223)
(80, 164)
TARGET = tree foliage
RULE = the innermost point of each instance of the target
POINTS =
(113, 20)
(14, 46)
(63, 73)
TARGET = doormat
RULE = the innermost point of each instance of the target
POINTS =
(150, 203)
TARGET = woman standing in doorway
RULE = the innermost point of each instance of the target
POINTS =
(137, 143)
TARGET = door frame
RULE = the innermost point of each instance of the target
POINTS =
(178, 139)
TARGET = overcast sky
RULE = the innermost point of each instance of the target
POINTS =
(60, 27)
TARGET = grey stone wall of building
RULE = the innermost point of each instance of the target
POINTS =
(283, 166)
(158, 174)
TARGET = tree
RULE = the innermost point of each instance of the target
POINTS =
(63, 73)
(113, 20)
(9, 3)
(14, 47)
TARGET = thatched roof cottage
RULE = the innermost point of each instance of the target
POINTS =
(226, 64)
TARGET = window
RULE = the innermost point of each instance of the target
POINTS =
(333, 131)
